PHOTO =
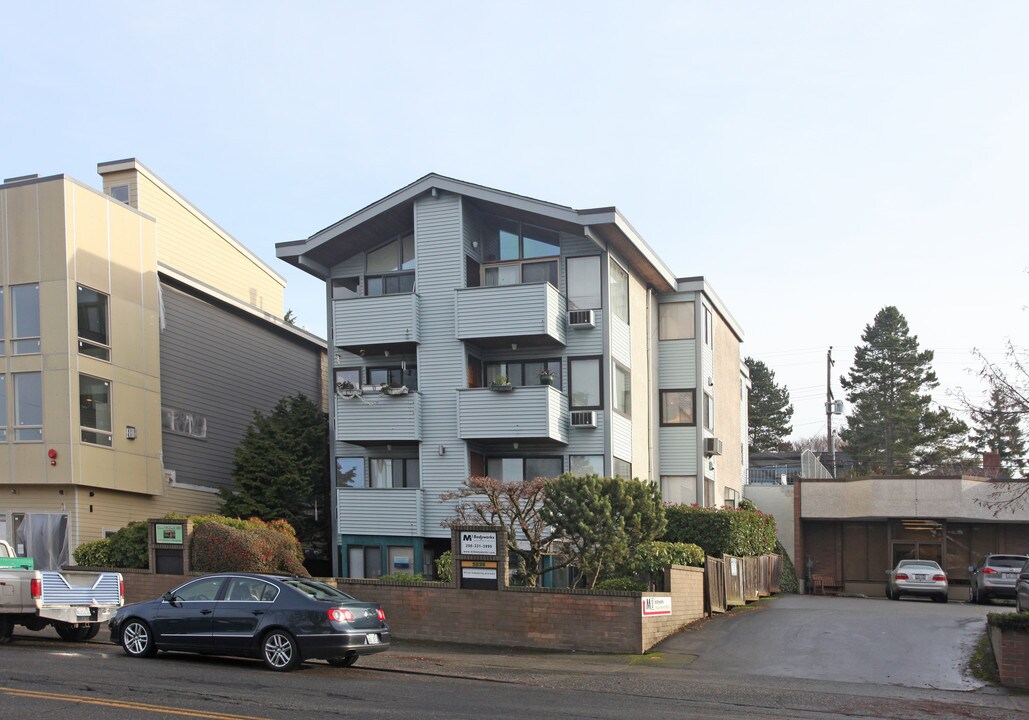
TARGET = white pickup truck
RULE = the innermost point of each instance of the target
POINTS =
(75, 603)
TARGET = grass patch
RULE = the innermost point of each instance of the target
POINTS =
(983, 665)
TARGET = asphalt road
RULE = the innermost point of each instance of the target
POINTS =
(41, 676)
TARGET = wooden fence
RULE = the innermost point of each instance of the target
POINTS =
(732, 581)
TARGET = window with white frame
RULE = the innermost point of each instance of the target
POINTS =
(676, 321)
(622, 401)
(619, 291)
(622, 468)
(95, 410)
(709, 412)
(93, 322)
(25, 316)
(28, 407)
(708, 326)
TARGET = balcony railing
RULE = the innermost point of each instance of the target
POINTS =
(532, 412)
(364, 322)
(375, 417)
(511, 313)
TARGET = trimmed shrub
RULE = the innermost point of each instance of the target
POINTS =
(229, 544)
(621, 583)
(1009, 620)
(788, 582)
(127, 548)
(655, 557)
(404, 578)
(721, 531)
(93, 554)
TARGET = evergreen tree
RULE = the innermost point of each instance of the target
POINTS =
(892, 427)
(281, 471)
(998, 429)
(769, 409)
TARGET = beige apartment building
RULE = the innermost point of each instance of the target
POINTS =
(133, 332)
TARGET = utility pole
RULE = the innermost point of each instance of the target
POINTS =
(829, 407)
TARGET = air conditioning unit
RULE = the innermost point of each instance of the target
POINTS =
(581, 319)
(712, 446)
(584, 418)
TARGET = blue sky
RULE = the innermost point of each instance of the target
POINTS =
(815, 161)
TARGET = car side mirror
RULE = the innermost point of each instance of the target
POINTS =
(169, 597)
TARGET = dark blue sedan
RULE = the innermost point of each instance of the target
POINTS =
(282, 620)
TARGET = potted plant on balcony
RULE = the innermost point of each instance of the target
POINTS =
(501, 383)
(346, 389)
(547, 377)
(393, 389)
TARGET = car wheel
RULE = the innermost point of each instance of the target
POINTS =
(345, 661)
(6, 629)
(90, 631)
(279, 651)
(69, 632)
(137, 639)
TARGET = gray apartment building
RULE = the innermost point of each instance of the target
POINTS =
(473, 331)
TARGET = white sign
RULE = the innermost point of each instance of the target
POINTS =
(479, 573)
(478, 543)
(657, 606)
(733, 569)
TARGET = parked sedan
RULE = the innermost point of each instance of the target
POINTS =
(994, 576)
(917, 577)
(282, 620)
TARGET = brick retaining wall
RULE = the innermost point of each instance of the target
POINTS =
(1011, 649)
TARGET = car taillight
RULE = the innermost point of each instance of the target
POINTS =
(902, 576)
(382, 614)
(988, 571)
(340, 615)
(121, 589)
(36, 588)
(939, 578)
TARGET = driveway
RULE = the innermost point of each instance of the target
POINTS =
(912, 642)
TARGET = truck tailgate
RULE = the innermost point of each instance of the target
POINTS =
(80, 588)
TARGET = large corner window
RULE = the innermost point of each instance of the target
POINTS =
(510, 469)
(622, 469)
(390, 269)
(393, 472)
(623, 390)
(514, 253)
(525, 372)
(676, 321)
(28, 407)
(95, 410)
(350, 473)
(343, 288)
(619, 291)
(583, 281)
(580, 465)
(584, 383)
(25, 313)
(394, 376)
(93, 323)
(677, 407)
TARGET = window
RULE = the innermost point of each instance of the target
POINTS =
(732, 498)
(583, 282)
(2, 315)
(519, 247)
(584, 383)
(709, 492)
(394, 376)
(516, 469)
(580, 465)
(619, 291)
(709, 412)
(347, 375)
(364, 561)
(25, 313)
(525, 372)
(120, 193)
(184, 422)
(390, 268)
(95, 410)
(677, 407)
(343, 288)
(708, 330)
(622, 400)
(679, 489)
(3, 409)
(200, 590)
(93, 339)
(243, 589)
(350, 473)
(393, 472)
(28, 407)
(622, 469)
(675, 321)
(401, 559)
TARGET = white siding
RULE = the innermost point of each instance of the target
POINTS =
(375, 511)
(375, 320)
(378, 417)
(621, 342)
(510, 311)
(621, 436)
(526, 412)
(588, 441)
(677, 364)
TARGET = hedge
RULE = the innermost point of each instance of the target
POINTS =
(721, 531)
(245, 546)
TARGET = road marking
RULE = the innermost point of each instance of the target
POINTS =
(125, 704)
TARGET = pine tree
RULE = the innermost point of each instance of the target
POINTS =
(769, 410)
(893, 427)
(998, 429)
(281, 470)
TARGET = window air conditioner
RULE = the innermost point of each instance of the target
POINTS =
(581, 319)
(584, 418)
(712, 446)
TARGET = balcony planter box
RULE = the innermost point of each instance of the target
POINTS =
(501, 387)
(391, 390)
(346, 390)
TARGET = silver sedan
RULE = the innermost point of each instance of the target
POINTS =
(917, 577)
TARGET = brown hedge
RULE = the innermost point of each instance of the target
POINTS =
(217, 547)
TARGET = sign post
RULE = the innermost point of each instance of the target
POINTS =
(480, 557)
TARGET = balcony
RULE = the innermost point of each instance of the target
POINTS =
(375, 323)
(530, 315)
(376, 418)
(532, 412)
